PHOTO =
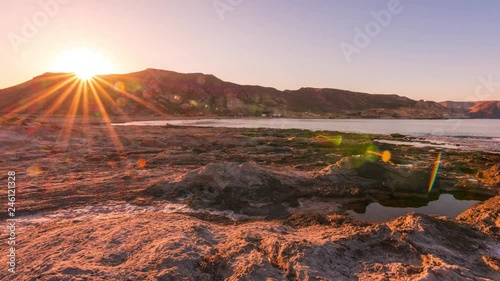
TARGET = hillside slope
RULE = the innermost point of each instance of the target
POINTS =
(475, 109)
(161, 92)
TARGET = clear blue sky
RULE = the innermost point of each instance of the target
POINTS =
(433, 50)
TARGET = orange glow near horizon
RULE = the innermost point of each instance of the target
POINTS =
(78, 94)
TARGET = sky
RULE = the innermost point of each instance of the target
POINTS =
(422, 49)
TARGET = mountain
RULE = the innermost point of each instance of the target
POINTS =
(475, 109)
(161, 92)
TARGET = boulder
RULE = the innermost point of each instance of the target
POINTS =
(234, 186)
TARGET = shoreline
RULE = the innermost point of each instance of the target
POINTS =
(87, 186)
(133, 118)
(264, 142)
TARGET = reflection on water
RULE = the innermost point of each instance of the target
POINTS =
(446, 205)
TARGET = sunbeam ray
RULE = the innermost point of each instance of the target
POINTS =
(105, 117)
(128, 95)
(59, 101)
(71, 115)
(99, 89)
(42, 96)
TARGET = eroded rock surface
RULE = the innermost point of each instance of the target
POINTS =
(236, 186)
(485, 216)
(491, 175)
(159, 246)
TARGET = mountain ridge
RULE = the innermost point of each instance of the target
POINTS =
(475, 109)
(163, 92)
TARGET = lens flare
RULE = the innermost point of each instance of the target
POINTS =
(119, 86)
(386, 155)
(34, 171)
(434, 173)
(201, 80)
(121, 102)
(88, 98)
(141, 163)
(337, 140)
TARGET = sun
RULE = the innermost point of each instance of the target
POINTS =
(85, 63)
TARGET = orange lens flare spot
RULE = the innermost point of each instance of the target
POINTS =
(119, 86)
(34, 171)
(141, 163)
(386, 155)
(121, 102)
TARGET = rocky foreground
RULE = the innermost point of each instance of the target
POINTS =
(94, 204)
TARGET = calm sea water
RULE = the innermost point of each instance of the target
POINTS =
(452, 127)
(465, 134)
